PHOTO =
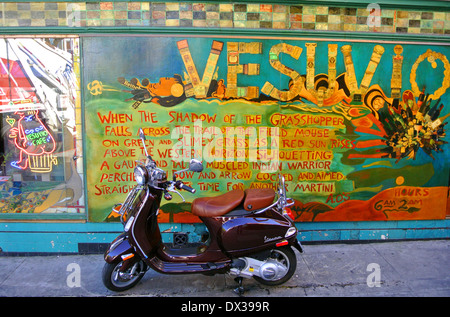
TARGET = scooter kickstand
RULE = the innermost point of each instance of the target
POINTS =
(240, 289)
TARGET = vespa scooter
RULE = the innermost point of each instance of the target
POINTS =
(250, 233)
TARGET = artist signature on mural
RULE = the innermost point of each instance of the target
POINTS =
(390, 205)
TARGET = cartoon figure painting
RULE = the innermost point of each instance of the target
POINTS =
(168, 92)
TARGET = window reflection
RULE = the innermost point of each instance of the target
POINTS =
(38, 105)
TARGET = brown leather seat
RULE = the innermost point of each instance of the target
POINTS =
(256, 198)
(218, 205)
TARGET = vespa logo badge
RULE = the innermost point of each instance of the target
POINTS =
(271, 239)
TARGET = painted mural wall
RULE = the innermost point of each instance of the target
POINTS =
(358, 129)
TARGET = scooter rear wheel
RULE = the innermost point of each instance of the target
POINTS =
(285, 257)
(118, 281)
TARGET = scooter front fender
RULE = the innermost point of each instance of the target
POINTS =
(120, 246)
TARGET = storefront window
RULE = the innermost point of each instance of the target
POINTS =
(40, 145)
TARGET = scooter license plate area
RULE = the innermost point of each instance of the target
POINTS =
(252, 234)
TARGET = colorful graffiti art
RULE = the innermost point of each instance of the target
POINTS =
(358, 129)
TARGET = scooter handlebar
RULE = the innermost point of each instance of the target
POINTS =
(180, 185)
(189, 189)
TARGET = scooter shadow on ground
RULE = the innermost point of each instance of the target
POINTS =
(219, 285)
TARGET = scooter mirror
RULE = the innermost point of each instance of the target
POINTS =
(142, 136)
(195, 165)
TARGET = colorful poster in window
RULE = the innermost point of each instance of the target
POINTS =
(38, 97)
(358, 129)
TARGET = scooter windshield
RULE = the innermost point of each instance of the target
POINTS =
(133, 202)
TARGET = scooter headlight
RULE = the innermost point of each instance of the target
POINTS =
(141, 175)
(128, 224)
(290, 232)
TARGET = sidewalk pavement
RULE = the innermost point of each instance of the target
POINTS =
(393, 269)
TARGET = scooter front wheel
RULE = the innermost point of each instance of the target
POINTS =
(279, 267)
(118, 281)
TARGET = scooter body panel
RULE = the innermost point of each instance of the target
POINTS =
(144, 231)
(253, 233)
